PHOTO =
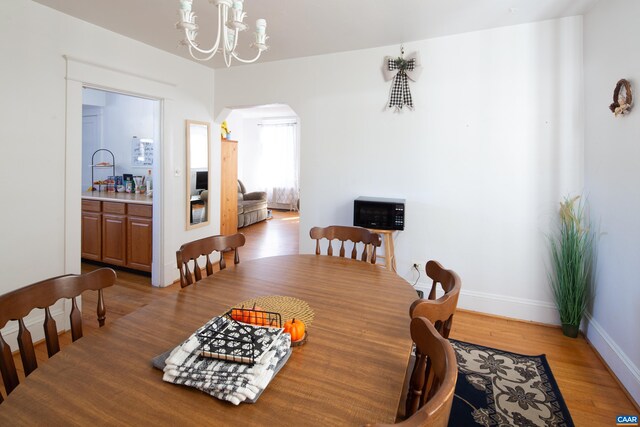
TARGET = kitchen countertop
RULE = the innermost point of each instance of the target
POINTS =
(107, 196)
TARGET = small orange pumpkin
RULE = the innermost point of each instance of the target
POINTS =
(296, 328)
(253, 316)
(257, 316)
(236, 314)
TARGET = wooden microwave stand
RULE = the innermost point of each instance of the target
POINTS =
(117, 233)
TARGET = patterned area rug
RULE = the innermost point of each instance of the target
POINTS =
(497, 388)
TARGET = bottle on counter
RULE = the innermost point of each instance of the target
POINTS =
(138, 181)
(149, 183)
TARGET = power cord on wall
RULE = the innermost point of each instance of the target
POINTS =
(420, 293)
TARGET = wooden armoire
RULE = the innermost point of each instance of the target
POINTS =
(229, 187)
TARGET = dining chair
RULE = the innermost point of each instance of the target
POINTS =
(433, 381)
(439, 311)
(206, 247)
(16, 305)
(370, 240)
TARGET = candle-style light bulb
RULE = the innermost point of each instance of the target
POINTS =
(237, 5)
(261, 26)
(186, 5)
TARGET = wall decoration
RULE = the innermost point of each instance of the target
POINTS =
(401, 70)
(141, 152)
(622, 98)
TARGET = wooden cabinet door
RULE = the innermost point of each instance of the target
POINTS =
(114, 239)
(139, 233)
(229, 188)
(91, 236)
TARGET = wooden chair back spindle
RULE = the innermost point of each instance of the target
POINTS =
(434, 379)
(51, 333)
(357, 235)
(16, 305)
(190, 252)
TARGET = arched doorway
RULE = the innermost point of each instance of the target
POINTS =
(262, 151)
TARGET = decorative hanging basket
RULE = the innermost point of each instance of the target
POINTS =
(622, 103)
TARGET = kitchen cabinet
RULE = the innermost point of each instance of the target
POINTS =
(91, 230)
(117, 233)
(114, 237)
(139, 237)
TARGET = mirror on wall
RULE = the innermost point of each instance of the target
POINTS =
(198, 141)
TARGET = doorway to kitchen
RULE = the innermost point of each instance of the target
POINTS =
(120, 136)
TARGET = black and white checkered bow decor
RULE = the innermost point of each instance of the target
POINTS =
(401, 70)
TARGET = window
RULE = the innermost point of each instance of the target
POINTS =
(280, 162)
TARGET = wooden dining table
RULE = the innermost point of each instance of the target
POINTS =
(349, 372)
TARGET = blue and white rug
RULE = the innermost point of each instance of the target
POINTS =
(498, 388)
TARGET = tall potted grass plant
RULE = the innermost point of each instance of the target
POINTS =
(572, 259)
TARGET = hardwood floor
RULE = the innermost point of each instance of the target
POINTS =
(593, 395)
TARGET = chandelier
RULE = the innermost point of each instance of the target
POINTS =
(230, 17)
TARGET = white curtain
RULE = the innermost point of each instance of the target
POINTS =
(280, 163)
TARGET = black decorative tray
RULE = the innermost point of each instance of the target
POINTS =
(230, 338)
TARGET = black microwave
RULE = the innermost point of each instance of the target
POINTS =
(378, 212)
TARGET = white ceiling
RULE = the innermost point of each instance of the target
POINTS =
(300, 28)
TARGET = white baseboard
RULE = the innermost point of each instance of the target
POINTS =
(171, 274)
(626, 371)
(514, 307)
(502, 305)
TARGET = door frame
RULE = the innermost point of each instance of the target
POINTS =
(80, 74)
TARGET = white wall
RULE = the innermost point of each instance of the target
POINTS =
(39, 181)
(612, 177)
(126, 117)
(246, 146)
(495, 142)
(249, 155)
